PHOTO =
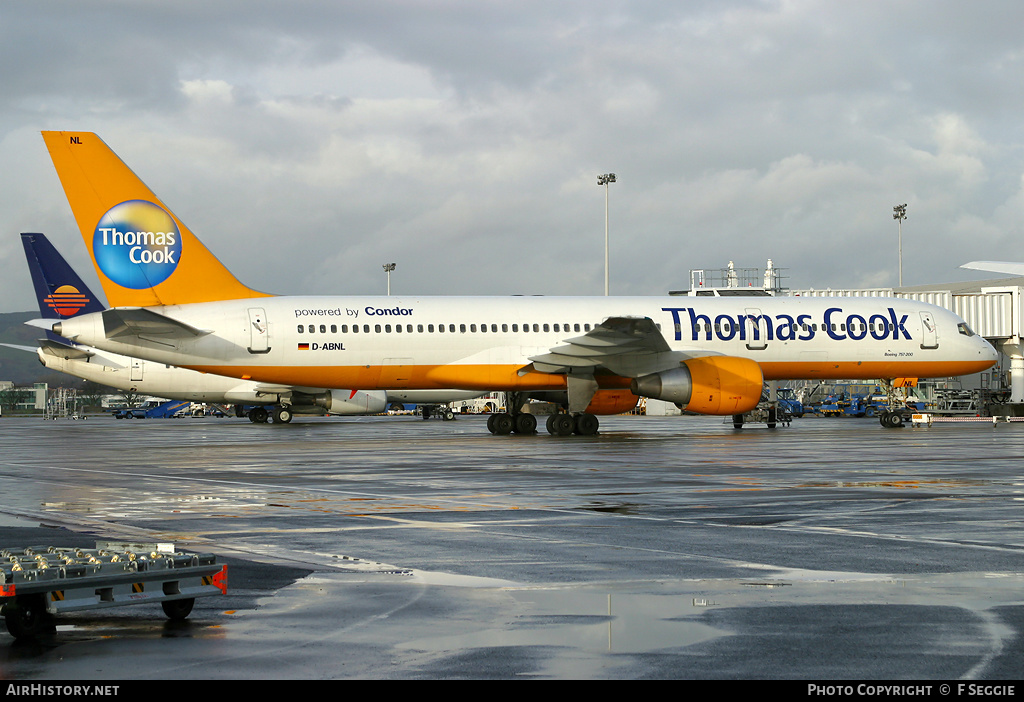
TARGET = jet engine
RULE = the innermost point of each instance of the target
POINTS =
(343, 402)
(706, 385)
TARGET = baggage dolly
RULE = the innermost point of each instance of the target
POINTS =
(40, 581)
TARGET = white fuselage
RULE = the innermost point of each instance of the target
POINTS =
(485, 343)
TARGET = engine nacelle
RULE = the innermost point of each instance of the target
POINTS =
(344, 402)
(612, 401)
(707, 385)
(604, 401)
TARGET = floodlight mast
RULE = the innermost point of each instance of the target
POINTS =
(388, 267)
(899, 213)
(605, 180)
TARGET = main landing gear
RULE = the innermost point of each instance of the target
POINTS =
(279, 415)
(504, 423)
(557, 424)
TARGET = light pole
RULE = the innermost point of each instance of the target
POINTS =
(605, 180)
(388, 267)
(899, 213)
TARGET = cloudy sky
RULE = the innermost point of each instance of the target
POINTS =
(308, 142)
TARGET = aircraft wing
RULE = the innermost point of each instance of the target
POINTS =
(996, 267)
(627, 346)
(146, 324)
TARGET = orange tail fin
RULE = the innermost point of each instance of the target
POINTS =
(143, 254)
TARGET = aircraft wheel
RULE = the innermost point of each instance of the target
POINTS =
(178, 609)
(490, 422)
(772, 417)
(258, 415)
(449, 415)
(737, 421)
(891, 420)
(560, 424)
(282, 415)
(525, 424)
(586, 424)
(503, 424)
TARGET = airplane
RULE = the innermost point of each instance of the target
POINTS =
(173, 302)
(62, 294)
(1008, 267)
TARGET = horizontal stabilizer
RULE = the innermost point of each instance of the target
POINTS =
(20, 347)
(146, 324)
(66, 351)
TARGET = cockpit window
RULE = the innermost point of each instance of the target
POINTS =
(964, 329)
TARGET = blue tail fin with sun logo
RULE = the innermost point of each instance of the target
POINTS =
(60, 292)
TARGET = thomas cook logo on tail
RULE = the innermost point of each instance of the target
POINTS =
(137, 244)
(66, 300)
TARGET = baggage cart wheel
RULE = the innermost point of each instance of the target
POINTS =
(27, 617)
(178, 609)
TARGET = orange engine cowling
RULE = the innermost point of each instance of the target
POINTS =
(612, 401)
(707, 385)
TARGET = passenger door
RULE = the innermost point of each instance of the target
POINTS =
(929, 334)
(259, 331)
(755, 329)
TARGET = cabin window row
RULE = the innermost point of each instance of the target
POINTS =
(441, 328)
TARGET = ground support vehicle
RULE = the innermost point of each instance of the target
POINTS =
(763, 414)
(153, 410)
(848, 405)
(129, 413)
(790, 403)
(39, 582)
(437, 412)
(781, 410)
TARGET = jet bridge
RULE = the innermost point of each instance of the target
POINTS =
(991, 308)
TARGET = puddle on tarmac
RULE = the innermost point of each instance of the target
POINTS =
(589, 619)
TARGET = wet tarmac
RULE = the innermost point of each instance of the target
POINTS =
(393, 548)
